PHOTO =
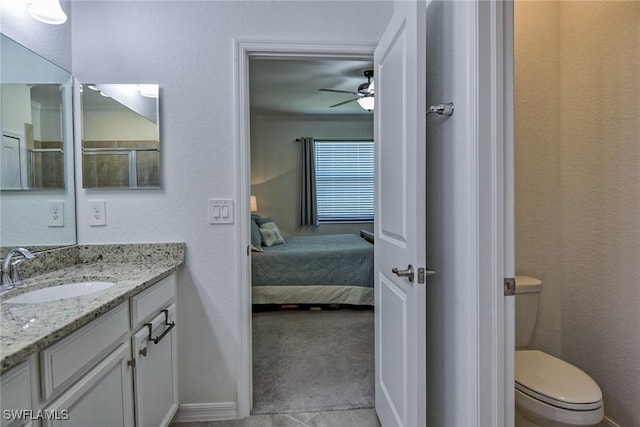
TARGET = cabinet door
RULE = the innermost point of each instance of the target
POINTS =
(103, 397)
(15, 396)
(155, 385)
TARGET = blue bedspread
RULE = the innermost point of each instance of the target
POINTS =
(337, 259)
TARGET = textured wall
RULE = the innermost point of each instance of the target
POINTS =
(50, 41)
(275, 164)
(537, 160)
(600, 182)
(597, 235)
(187, 47)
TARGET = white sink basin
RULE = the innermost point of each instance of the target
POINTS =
(54, 293)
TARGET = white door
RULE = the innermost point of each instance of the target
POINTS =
(11, 170)
(400, 315)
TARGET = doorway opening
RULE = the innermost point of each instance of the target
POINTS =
(290, 336)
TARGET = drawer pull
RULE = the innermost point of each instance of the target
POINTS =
(171, 325)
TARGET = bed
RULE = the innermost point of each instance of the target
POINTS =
(327, 269)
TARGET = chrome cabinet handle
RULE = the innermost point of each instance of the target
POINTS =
(408, 273)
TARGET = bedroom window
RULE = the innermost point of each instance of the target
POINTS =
(344, 180)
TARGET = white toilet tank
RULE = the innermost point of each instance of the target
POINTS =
(527, 299)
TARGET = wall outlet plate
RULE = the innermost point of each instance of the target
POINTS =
(97, 212)
(55, 213)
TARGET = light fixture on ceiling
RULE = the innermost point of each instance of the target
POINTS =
(367, 103)
(365, 93)
(47, 11)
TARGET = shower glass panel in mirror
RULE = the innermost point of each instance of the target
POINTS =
(37, 197)
(120, 136)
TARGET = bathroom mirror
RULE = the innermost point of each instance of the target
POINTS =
(120, 136)
(37, 195)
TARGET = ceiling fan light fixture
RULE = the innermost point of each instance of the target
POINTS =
(47, 11)
(366, 103)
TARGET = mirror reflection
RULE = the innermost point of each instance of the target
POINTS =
(120, 136)
(36, 152)
(32, 145)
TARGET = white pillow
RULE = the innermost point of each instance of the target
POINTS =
(271, 234)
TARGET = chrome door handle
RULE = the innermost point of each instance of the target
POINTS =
(408, 273)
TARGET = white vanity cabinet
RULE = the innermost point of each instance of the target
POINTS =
(120, 370)
(16, 395)
(102, 397)
(154, 347)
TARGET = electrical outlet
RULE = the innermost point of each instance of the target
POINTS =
(56, 213)
(97, 212)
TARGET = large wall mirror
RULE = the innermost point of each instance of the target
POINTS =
(120, 136)
(37, 196)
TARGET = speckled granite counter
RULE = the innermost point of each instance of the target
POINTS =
(27, 328)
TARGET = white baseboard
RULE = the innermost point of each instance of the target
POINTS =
(606, 422)
(198, 412)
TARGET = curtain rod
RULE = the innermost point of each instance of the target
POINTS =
(338, 139)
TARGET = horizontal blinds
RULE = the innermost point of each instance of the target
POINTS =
(344, 180)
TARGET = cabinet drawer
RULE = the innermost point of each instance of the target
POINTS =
(16, 394)
(149, 302)
(68, 359)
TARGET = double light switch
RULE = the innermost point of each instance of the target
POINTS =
(220, 211)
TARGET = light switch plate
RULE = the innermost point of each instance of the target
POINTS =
(220, 211)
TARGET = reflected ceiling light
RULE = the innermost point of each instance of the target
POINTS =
(149, 90)
(366, 102)
(47, 11)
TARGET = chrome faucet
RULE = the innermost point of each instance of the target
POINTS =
(10, 274)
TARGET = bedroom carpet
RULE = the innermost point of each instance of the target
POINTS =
(309, 361)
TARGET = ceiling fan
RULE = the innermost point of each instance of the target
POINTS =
(364, 94)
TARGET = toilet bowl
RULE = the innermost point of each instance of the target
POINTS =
(552, 392)
(549, 391)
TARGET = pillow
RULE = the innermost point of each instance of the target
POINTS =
(256, 238)
(271, 234)
(260, 220)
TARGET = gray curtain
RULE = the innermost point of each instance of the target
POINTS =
(308, 201)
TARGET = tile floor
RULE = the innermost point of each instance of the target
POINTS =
(350, 418)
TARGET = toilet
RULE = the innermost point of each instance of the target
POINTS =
(549, 391)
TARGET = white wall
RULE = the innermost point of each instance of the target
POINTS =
(578, 194)
(50, 41)
(275, 165)
(187, 48)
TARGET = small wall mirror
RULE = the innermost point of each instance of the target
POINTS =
(120, 136)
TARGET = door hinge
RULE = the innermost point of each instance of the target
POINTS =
(509, 286)
(132, 363)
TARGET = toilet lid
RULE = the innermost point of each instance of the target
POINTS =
(555, 381)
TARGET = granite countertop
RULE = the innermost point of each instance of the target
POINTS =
(27, 328)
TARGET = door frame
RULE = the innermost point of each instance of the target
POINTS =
(244, 49)
(492, 397)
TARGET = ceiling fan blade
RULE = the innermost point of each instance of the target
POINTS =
(343, 102)
(338, 91)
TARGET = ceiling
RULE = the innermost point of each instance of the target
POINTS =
(290, 86)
